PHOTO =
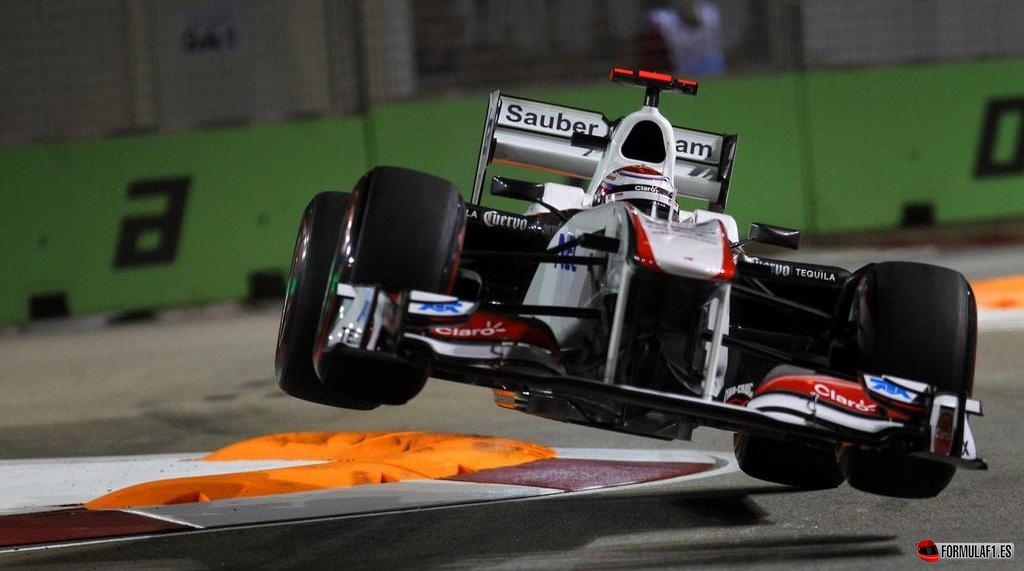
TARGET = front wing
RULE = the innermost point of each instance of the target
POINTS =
(923, 421)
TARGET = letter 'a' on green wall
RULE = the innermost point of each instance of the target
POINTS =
(177, 219)
(95, 220)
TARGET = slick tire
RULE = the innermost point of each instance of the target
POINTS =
(314, 251)
(918, 322)
(894, 475)
(406, 233)
(787, 463)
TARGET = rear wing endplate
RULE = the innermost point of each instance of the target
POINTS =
(538, 135)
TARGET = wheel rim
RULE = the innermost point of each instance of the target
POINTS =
(294, 277)
(346, 246)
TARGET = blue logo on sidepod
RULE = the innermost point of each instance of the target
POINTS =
(567, 252)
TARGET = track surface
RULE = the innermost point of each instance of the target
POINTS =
(203, 380)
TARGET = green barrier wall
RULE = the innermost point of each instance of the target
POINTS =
(65, 206)
(883, 138)
(827, 152)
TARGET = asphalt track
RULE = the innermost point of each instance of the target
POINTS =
(200, 380)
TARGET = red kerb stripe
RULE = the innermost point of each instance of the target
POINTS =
(77, 525)
(574, 475)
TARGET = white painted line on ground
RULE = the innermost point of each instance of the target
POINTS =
(40, 484)
(34, 483)
(169, 518)
(87, 475)
(48, 546)
(351, 500)
(1000, 320)
(415, 494)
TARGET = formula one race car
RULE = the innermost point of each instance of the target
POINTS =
(612, 307)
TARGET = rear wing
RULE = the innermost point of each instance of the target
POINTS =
(538, 135)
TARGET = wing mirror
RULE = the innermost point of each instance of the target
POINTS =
(520, 189)
(531, 192)
(774, 235)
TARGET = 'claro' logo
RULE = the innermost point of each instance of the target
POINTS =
(489, 329)
(830, 394)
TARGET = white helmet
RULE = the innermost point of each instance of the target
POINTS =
(642, 186)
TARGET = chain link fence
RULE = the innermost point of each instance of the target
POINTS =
(72, 69)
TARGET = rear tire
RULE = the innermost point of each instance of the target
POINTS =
(406, 233)
(918, 322)
(315, 246)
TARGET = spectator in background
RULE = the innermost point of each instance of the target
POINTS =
(690, 36)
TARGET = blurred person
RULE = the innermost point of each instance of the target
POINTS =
(691, 37)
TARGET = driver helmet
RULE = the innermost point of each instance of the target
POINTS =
(642, 186)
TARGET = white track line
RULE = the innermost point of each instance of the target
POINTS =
(39, 484)
(350, 500)
(80, 543)
(353, 501)
(31, 484)
(1000, 320)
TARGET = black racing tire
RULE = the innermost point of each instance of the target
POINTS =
(406, 233)
(895, 475)
(788, 463)
(315, 247)
(919, 322)
(409, 234)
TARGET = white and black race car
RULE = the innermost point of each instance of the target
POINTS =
(608, 305)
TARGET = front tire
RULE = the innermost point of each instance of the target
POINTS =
(315, 246)
(918, 322)
(788, 463)
(406, 233)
